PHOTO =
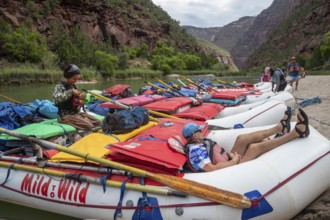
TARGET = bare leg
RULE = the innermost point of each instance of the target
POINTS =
(297, 84)
(254, 150)
(243, 141)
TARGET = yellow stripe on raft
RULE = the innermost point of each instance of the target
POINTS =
(95, 144)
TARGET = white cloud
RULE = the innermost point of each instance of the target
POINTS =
(211, 13)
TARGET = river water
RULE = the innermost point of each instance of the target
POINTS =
(29, 93)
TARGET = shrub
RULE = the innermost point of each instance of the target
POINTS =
(106, 63)
(24, 45)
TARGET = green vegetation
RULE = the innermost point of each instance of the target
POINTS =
(277, 50)
(104, 59)
(22, 45)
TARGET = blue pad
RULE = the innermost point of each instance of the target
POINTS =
(147, 213)
(262, 208)
(238, 126)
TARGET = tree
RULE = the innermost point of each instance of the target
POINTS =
(192, 62)
(325, 48)
(24, 45)
(106, 63)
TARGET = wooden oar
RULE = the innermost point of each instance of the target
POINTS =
(101, 97)
(162, 89)
(170, 87)
(226, 83)
(182, 83)
(89, 179)
(10, 99)
(192, 82)
(176, 90)
(183, 185)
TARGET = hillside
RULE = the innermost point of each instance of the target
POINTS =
(259, 31)
(300, 34)
(116, 23)
(287, 27)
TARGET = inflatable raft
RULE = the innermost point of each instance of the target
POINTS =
(287, 97)
(268, 113)
(278, 185)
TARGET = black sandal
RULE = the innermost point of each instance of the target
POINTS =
(286, 122)
(301, 133)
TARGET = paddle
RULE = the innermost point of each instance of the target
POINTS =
(162, 89)
(127, 107)
(170, 87)
(10, 99)
(182, 83)
(84, 178)
(192, 82)
(226, 83)
(183, 185)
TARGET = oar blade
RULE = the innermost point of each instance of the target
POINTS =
(202, 190)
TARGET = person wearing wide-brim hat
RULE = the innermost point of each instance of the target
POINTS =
(294, 69)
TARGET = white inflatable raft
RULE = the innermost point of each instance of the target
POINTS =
(268, 113)
(287, 97)
(298, 170)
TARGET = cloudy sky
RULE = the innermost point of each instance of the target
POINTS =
(211, 13)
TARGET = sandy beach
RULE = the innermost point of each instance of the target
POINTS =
(319, 118)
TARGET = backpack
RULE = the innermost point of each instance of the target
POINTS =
(140, 115)
(95, 106)
(45, 108)
(119, 122)
(282, 76)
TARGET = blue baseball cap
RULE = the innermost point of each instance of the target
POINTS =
(189, 129)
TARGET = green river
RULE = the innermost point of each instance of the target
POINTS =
(28, 93)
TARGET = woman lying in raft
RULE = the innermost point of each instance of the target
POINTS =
(247, 146)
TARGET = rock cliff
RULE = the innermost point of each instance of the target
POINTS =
(123, 23)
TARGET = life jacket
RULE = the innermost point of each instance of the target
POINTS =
(121, 90)
(265, 78)
(72, 104)
(216, 153)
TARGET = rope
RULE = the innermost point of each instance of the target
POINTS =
(322, 122)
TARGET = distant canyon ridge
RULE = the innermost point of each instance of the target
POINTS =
(293, 26)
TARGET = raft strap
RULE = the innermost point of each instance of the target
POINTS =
(119, 205)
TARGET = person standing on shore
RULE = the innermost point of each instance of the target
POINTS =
(69, 101)
(294, 69)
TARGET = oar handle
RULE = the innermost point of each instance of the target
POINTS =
(182, 83)
(171, 88)
(10, 99)
(162, 89)
(101, 97)
(107, 99)
(189, 80)
(89, 179)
